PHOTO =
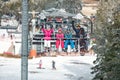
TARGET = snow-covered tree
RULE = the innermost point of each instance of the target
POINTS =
(107, 64)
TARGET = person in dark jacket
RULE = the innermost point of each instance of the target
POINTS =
(80, 34)
(53, 65)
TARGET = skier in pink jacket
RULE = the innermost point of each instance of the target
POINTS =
(47, 37)
(59, 37)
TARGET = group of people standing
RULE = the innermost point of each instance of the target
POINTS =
(64, 38)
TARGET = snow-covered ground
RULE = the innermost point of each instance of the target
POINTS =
(67, 68)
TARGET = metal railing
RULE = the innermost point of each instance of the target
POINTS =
(40, 41)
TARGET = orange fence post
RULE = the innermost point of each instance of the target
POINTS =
(33, 53)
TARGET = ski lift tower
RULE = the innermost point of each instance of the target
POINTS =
(33, 49)
(33, 52)
(24, 54)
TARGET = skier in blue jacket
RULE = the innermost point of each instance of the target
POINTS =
(69, 41)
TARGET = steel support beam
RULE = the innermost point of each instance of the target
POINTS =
(24, 54)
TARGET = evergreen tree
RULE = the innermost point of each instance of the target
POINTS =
(107, 64)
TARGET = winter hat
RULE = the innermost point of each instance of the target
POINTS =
(78, 25)
(60, 30)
